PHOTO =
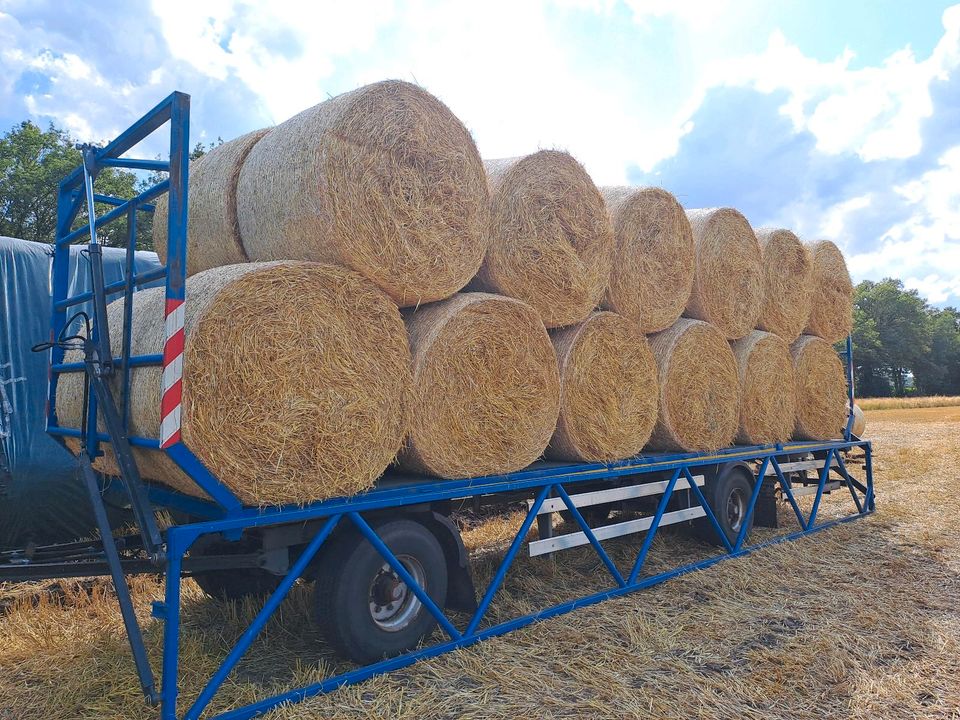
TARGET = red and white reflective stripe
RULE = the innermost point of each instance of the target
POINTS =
(172, 385)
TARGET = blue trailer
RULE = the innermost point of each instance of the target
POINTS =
(389, 564)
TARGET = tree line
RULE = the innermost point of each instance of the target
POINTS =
(902, 345)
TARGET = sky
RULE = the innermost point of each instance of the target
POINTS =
(838, 119)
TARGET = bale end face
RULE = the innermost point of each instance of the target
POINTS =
(767, 389)
(699, 388)
(728, 279)
(608, 390)
(486, 390)
(821, 383)
(551, 241)
(653, 266)
(831, 290)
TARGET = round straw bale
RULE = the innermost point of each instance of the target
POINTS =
(859, 421)
(551, 241)
(383, 179)
(831, 309)
(213, 231)
(295, 381)
(821, 389)
(728, 278)
(699, 388)
(767, 388)
(653, 256)
(486, 390)
(786, 283)
(608, 390)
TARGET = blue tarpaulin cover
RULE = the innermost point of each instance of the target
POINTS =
(42, 499)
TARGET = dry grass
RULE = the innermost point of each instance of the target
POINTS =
(551, 240)
(383, 179)
(608, 390)
(296, 378)
(699, 388)
(786, 283)
(486, 389)
(910, 402)
(860, 621)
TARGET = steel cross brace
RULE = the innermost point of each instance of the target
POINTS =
(181, 538)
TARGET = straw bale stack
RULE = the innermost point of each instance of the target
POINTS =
(551, 241)
(608, 390)
(383, 179)
(699, 388)
(653, 262)
(296, 378)
(728, 278)
(486, 389)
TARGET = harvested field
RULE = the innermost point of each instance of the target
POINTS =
(930, 401)
(860, 621)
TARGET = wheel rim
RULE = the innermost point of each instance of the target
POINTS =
(393, 606)
(736, 508)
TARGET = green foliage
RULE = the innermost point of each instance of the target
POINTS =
(901, 344)
(32, 164)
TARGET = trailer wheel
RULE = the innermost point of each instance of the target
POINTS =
(728, 494)
(364, 609)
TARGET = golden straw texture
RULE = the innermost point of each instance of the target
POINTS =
(383, 179)
(653, 263)
(786, 283)
(213, 232)
(831, 290)
(699, 388)
(821, 389)
(767, 388)
(295, 381)
(608, 390)
(486, 390)
(728, 279)
(551, 241)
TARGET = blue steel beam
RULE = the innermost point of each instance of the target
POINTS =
(114, 288)
(118, 212)
(135, 164)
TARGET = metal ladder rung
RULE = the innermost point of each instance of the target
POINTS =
(804, 490)
(627, 492)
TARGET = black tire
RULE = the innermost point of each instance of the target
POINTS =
(728, 494)
(363, 609)
(235, 584)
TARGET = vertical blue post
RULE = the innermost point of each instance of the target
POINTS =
(177, 205)
(129, 270)
(66, 209)
(171, 630)
(850, 394)
(868, 502)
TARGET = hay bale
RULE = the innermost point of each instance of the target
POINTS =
(699, 388)
(831, 292)
(767, 388)
(728, 278)
(383, 179)
(859, 421)
(786, 283)
(486, 390)
(551, 241)
(821, 389)
(295, 381)
(653, 261)
(608, 390)
(213, 231)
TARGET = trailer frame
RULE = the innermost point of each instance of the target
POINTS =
(225, 516)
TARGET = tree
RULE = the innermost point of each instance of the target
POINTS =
(892, 324)
(938, 372)
(32, 163)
